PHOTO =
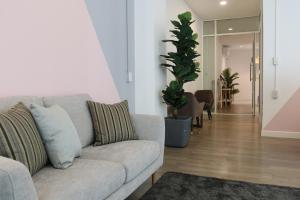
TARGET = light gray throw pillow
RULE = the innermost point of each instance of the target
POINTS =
(58, 133)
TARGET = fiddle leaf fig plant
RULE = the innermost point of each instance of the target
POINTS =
(181, 63)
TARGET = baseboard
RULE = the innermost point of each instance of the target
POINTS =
(280, 134)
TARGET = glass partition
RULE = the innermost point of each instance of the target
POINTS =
(209, 63)
(209, 28)
(248, 24)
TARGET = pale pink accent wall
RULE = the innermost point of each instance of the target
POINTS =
(49, 47)
(288, 118)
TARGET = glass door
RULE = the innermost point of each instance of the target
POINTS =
(253, 74)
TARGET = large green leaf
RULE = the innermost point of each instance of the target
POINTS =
(185, 17)
(167, 65)
(176, 23)
(195, 36)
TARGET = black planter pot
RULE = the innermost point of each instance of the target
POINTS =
(178, 131)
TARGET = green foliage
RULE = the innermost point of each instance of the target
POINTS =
(174, 94)
(229, 80)
(182, 63)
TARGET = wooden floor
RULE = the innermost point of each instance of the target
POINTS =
(236, 109)
(230, 147)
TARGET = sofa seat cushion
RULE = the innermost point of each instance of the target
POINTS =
(85, 179)
(135, 155)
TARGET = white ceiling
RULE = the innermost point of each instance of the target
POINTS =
(211, 9)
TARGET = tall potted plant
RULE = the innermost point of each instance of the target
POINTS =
(182, 64)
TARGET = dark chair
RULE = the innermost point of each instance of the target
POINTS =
(206, 96)
(193, 109)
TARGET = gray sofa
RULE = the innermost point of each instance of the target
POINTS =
(110, 172)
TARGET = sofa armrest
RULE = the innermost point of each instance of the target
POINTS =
(15, 181)
(150, 127)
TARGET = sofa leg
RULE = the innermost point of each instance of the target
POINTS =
(153, 179)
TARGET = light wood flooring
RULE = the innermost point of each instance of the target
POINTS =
(230, 147)
(236, 109)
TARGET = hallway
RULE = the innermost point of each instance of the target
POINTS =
(230, 147)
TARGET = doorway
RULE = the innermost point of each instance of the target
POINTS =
(231, 65)
(237, 61)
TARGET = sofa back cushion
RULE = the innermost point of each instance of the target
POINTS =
(76, 107)
(20, 139)
(8, 102)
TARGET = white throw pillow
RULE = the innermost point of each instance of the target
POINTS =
(58, 133)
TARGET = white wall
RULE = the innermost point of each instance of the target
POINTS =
(239, 61)
(147, 30)
(110, 21)
(175, 7)
(288, 54)
(131, 35)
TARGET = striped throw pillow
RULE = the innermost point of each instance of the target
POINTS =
(112, 123)
(20, 139)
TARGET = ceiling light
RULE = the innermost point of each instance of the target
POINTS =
(223, 3)
(230, 29)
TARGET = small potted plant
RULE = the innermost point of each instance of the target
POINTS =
(182, 64)
(229, 79)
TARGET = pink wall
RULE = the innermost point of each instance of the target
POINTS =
(288, 118)
(49, 47)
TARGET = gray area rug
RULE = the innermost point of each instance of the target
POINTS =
(178, 186)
